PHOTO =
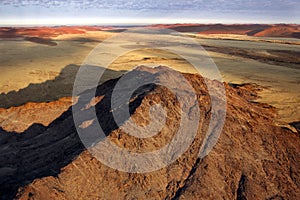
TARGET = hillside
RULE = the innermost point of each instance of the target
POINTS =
(253, 158)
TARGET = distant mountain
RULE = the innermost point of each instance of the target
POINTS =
(253, 158)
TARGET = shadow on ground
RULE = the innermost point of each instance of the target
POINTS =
(51, 90)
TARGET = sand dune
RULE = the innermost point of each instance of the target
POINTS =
(46, 32)
(267, 30)
(291, 31)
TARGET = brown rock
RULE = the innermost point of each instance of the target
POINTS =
(253, 158)
(18, 119)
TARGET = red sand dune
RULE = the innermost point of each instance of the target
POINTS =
(43, 32)
(260, 30)
(214, 28)
(44, 35)
(46, 32)
(280, 31)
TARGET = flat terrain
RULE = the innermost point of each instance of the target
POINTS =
(34, 70)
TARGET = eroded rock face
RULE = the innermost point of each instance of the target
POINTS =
(19, 118)
(253, 158)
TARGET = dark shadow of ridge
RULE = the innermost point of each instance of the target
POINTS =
(38, 152)
(51, 90)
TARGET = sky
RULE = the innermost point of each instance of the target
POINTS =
(127, 12)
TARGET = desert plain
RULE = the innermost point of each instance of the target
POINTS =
(39, 64)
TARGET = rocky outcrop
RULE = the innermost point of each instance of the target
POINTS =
(18, 119)
(253, 158)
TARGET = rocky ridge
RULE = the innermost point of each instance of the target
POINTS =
(253, 158)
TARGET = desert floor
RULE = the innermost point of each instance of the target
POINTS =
(33, 72)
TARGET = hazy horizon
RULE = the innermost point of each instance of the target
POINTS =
(135, 23)
(141, 12)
